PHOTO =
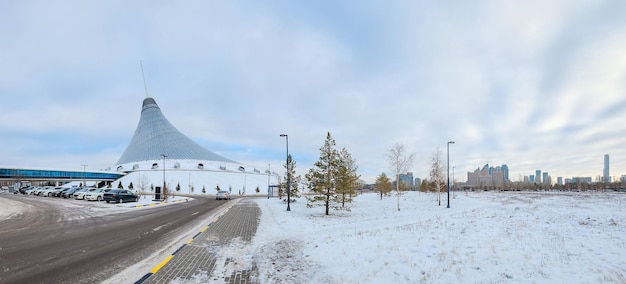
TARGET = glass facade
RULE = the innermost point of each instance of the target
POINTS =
(27, 174)
(505, 169)
(407, 179)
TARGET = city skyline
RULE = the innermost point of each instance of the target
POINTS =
(544, 176)
(534, 85)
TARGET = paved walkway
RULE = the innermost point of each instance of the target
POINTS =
(212, 255)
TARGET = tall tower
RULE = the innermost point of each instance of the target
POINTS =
(538, 176)
(606, 177)
(505, 169)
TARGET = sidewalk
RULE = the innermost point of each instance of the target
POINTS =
(215, 253)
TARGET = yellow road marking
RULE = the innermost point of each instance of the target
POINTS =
(155, 269)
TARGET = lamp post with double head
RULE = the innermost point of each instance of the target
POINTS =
(448, 157)
(288, 174)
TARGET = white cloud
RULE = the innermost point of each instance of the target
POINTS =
(530, 84)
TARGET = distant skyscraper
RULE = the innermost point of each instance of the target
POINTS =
(538, 176)
(606, 177)
(505, 169)
(407, 179)
(545, 177)
(489, 176)
(559, 180)
(532, 178)
(586, 180)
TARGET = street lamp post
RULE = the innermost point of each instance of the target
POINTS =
(84, 166)
(448, 154)
(163, 190)
(269, 172)
(288, 174)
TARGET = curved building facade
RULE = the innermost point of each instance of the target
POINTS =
(156, 136)
(159, 154)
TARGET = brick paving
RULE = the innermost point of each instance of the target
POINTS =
(197, 260)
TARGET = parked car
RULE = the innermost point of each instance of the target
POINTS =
(222, 194)
(56, 191)
(120, 195)
(31, 190)
(26, 190)
(35, 190)
(96, 195)
(81, 193)
(45, 191)
(69, 193)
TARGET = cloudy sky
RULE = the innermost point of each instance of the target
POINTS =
(531, 84)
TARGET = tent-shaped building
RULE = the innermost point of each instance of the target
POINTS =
(158, 153)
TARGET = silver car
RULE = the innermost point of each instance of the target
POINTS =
(46, 191)
(80, 194)
(96, 195)
(222, 194)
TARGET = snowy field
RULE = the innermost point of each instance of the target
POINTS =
(485, 237)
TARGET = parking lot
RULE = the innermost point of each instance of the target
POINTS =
(89, 240)
(93, 197)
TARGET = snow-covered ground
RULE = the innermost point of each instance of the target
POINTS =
(485, 237)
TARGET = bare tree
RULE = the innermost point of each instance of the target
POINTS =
(142, 183)
(436, 173)
(400, 161)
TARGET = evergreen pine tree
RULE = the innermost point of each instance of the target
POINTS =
(321, 177)
(383, 185)
(294, 180)
(346, 177)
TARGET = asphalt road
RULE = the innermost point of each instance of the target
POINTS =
(52, 242)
